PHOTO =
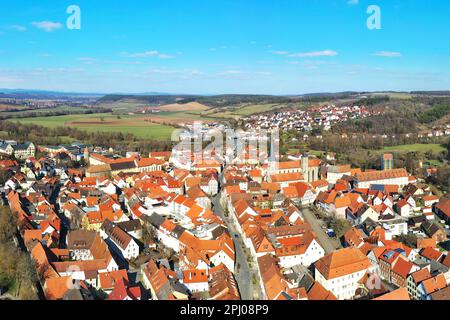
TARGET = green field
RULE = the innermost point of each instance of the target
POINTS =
(106, 122)
(436, 148)
(237, 112)
(41, 111)
(395, 95)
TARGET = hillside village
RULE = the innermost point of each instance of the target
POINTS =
(324, 118)
(137, 227)
(306, 120)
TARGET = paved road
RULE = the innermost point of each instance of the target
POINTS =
(244, 273)
(328, 244)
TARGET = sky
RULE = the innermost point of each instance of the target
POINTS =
(225, 46)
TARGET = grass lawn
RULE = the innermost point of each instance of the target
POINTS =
(434, 163)
(317, 153)
(416, 148)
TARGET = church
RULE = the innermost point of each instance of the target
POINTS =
(308, 166)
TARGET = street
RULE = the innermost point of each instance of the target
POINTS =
(325, 241)
(244, 273)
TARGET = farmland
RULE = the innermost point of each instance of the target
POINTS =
(124, 117)
(244, 110)
(140, 126)
(436, 148)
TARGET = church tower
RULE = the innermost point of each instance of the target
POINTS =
(305, 167)
(86, 154)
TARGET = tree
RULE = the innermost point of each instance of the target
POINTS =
(17, 269)
(148, 234)
(8, 224)
(4, 176)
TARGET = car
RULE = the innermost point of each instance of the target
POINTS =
(331, 233)
(324, 227)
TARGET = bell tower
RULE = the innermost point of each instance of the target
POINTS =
(305, 167)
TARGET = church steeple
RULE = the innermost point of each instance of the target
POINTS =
(86, 154)
(305, 167)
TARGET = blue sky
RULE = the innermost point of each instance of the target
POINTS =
(225, 46)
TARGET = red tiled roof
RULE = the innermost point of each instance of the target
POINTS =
(382, 175)
(342, 262)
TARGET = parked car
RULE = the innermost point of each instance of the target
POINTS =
(331, 233)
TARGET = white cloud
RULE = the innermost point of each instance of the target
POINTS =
(232, 72)
(324, 53)
(18, 27)
(148, 54)
(8, 80)
(280, 52)
(353, 2)
(263, 73)
(47, 26)
(185, 72)
(388, 54)
(87, 60)
(165, 56)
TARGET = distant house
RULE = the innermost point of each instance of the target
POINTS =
(430, 200)
(398, 177)
(299, 250)
(125, 245)
(19, 151)
(334, 173)
(403, 208)
(415, 279)
(361, 212)
(300, 192)
(83, 243)
(429, 286)
(442, 209)
(195, 280)
(341, 271)
(433, 231)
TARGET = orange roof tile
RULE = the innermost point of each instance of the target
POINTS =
(56, 287)
(342, 262)
(397, 295)
(382, 175)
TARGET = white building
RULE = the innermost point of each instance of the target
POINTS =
(299, 250)
(398, 177)
(341, 270)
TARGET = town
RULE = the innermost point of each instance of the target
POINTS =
(300, 120)
(220, 159)
(101, 225)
